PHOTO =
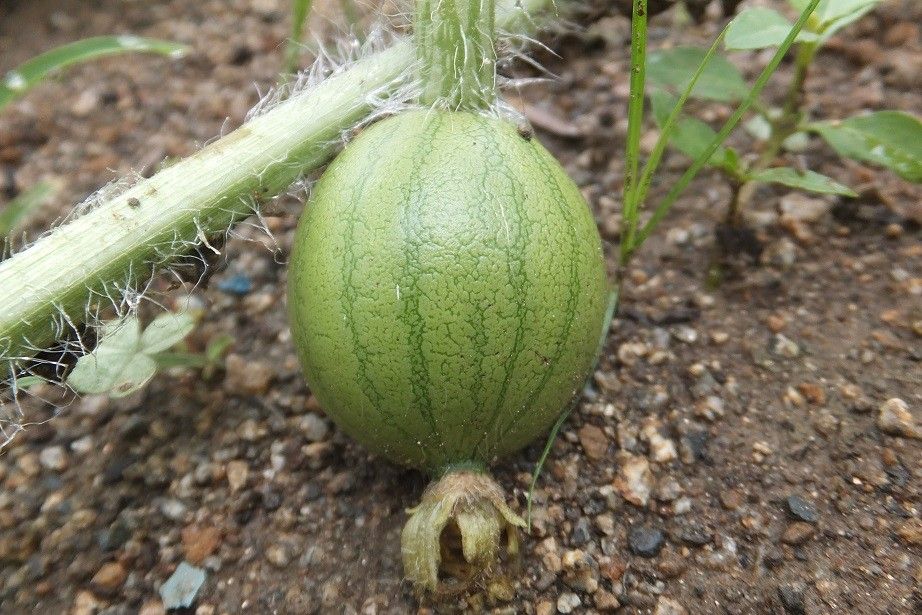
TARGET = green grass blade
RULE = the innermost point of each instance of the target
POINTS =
(666, 204)
(22, 78)
(671, 122)
(16, 210)
(300, 10)
(631, 207)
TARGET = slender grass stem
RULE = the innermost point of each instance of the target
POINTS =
(679, 187)
(631, 206)
(669, 125)
(782, 127)
(300, 12)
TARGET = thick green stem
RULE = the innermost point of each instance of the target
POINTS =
(456, 51)
(52, 285)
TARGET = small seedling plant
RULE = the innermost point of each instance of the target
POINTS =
(892, 139)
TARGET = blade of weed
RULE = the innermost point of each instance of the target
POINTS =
(300, 11)
(16, 210)
(19, 80)
(631, 207)
(666, 204)
(669, 125)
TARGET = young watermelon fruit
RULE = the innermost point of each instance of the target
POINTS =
(447, 292)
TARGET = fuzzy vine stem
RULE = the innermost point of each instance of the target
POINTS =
(456, 52)
(52, 286)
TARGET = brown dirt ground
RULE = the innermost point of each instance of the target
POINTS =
(142, 484)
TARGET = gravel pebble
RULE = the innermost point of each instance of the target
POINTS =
(797, 533)
(567, 602)
(594, 441)
(801, 509)
(792, 598)
(53, 458)
(894, 418)
(645, 541)
(635, 480)
(668, 606)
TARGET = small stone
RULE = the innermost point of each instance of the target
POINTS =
(181, 589)
(814, 393)
(246, 376)
(731, 499)
(85, 603)
(635, 480)
(567, 601)
(797, 533)
(801, 509)
(237, 473)
(894, 418)
(545, 607)
(173, 509)
(594, 441)
(278, 556)
(606, 601)
(720, 337)
(783, 346)
(695, 535)
(53, 458)
(315, 429)
(152, 607)
(581, 532)
(911, 532)
(200, 542)
(792, 599)
(797, 207)
(668, 606)
(109, 578)
(606, 524)
(645, 541)
(668, 489)
(685, 334)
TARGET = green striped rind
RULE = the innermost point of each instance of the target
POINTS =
(446, 289)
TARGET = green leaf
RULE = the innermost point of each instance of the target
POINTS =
(125, 359)
(758, 28)
(19, 80)
(300, 9)
(29, 381)
(217, 347)
(832, 10)
(166, 331)
(20, 207)
(674, 68)
(892, 139)
(804, 180)
(117, 365)
(692, 136)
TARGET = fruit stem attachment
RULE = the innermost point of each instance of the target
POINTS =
(457, 528)
(456, 53)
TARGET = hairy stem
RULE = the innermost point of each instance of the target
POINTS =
(457, 56)
(51, 286)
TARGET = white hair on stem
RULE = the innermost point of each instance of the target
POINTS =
(125, 295)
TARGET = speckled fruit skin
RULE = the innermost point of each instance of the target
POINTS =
(446, 288)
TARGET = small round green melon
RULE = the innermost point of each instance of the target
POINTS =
(447, 289)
